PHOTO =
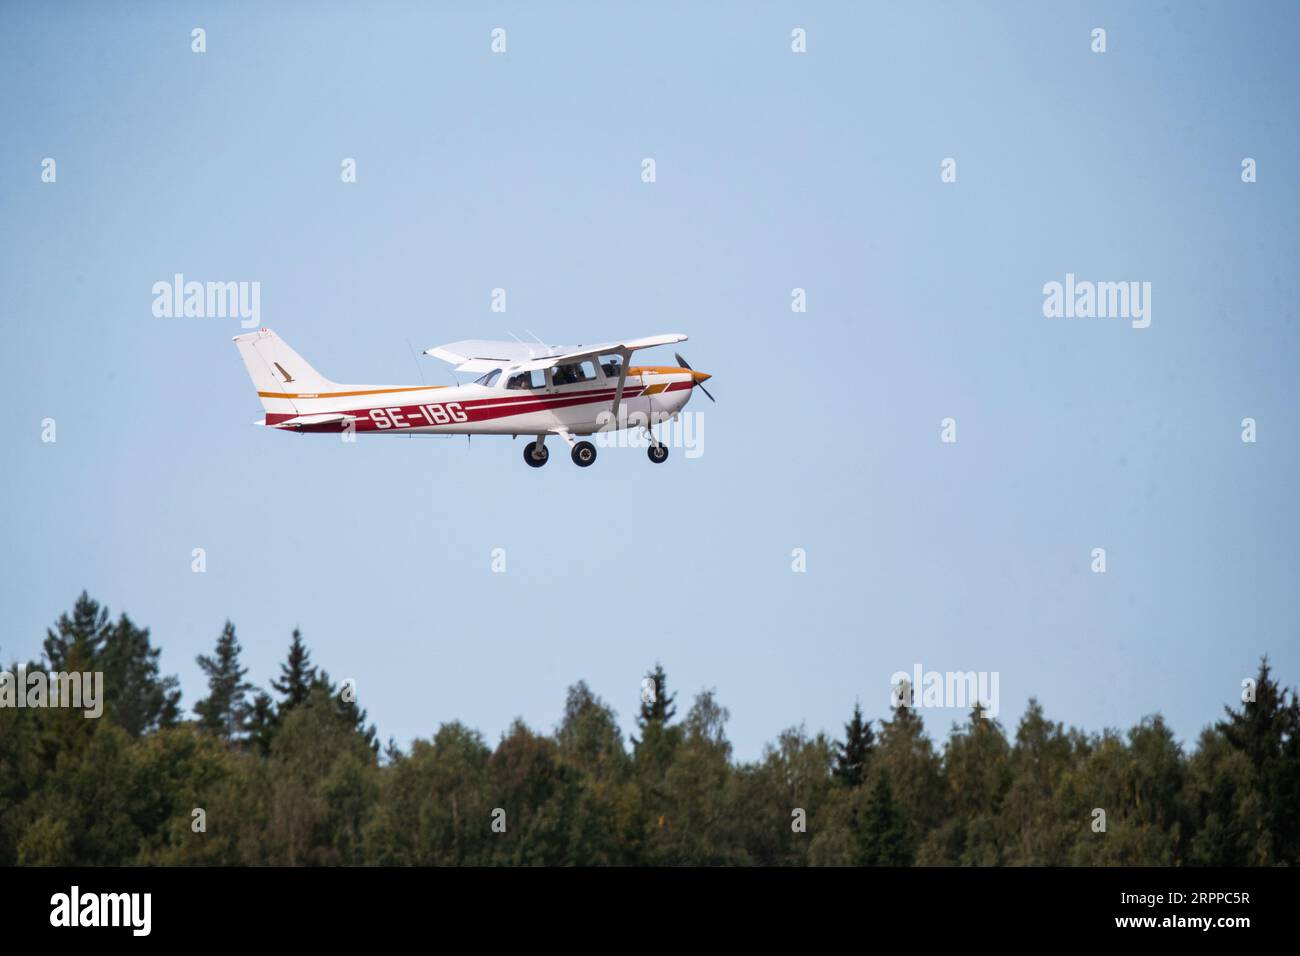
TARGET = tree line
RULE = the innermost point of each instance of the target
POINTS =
(296, 776)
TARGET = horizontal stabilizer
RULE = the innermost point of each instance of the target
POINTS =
(302, 421)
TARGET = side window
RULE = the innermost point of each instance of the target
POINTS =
(574, 374)
(611, 365)
(489, 379)
(533, 379)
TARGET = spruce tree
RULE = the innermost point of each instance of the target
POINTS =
(851, 757)
(657, 707)
(79, 640)
(136, 696)
(225, 710)
(884, 839)
(652, 755)
(139, 699)
(262, 725)
(297, 675)
(1267, 731)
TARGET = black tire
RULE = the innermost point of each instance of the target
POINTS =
(536, 461)
(584, 453)
(658, 453)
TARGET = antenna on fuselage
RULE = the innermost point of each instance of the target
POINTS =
(521, 342)
(416, 359)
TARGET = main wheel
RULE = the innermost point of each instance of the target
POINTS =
(536, 456)
(584, 453)
(658, 453)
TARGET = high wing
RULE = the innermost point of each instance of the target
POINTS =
(480, 355)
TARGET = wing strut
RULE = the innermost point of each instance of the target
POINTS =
(622, 377)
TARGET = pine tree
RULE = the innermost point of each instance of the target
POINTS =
(80, 638)
(297, 675)
(652, 755)
(851, 757)
(225, 710)
(884, 838)
(656, 707)
(262, 725)
(139, 698)
(1267, 731)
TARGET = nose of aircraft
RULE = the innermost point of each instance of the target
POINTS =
(697, 378)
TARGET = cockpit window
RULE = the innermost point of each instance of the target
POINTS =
(534, 379)
(489, 379)
(611, 365)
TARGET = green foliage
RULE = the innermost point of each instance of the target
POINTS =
(225, 710)
(656, 707)
(1041, 826)
(434, 807)
(138, 698)
(852, 756)
(1267, 732)
(261, 726)
(319, 787)
(297, 780)
(977, 777)
(297, 675)
(884, 837)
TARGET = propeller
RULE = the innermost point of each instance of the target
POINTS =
(686, 365)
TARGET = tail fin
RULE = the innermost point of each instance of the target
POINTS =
(279, 374)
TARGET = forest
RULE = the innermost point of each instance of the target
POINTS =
(294, 775)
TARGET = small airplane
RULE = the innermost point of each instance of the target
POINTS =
(522, 389)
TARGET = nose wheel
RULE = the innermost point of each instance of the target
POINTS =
(658, 453)
(584, 453)
(536, 454)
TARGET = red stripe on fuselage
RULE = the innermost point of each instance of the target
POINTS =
(474, 409)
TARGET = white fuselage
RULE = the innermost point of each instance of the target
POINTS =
(649, 395)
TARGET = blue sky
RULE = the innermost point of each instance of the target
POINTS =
(774, 170)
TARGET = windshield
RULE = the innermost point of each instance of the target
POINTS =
(489, 379)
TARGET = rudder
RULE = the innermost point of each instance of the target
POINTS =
(279, 374)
